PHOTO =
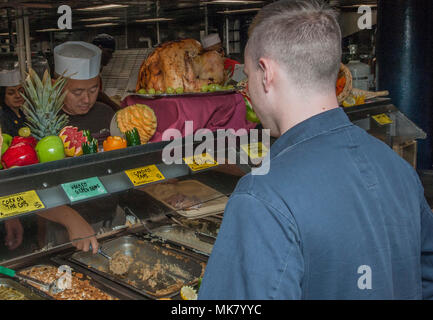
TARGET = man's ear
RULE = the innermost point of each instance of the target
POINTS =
(267, 73)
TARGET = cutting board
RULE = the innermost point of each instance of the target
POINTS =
(212, 201)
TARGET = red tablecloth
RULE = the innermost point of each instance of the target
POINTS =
(227, 111)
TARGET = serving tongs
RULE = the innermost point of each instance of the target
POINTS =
(202, 236)
(52, 287)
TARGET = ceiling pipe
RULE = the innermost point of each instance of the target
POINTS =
(27, 40)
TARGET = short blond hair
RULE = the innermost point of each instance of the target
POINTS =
(301, 35)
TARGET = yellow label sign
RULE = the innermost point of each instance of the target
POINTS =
(382, 119)
(144, 175)
(20, 203)
(200, 162)
(255, 150)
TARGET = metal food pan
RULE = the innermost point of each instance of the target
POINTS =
(27, 292)
(174, 270)
(208, 225)
(85, 277)
(184, 237)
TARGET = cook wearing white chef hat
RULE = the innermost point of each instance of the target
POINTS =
(212, 42)
(79, 62)
(11, 101)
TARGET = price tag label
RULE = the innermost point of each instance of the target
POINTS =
(144, 175)
(20, 203)
(200, 162)
(84, 189)
(255, 150)
(382, 119)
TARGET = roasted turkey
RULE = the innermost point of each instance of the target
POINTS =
(181, 64)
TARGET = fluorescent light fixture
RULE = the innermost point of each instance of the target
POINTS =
(153, 20)
(50, 29)
(99, 19)
(232, 2)
(239, 11)
(101, 25)
(359, 5)
(6, 34)
(103, 7)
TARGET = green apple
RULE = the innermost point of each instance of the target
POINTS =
(159, 92)
(142, 91)
(179, 90)
(205, 88)
(7, 140)
(151, 91)
(170, 90)
(230, 87)
(50, 149)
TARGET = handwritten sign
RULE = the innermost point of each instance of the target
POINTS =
(84, 189)
(382, 119)
(200, 162)
(20, 203)
(144, 175)
(255, 150)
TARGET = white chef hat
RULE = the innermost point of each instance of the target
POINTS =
(77, 60)
(10, 78)
(210, 40)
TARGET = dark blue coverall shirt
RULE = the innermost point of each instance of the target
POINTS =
(339, 216)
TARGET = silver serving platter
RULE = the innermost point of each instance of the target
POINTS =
(182, 270)
(185, 94)
(28, 294)
(184, 237)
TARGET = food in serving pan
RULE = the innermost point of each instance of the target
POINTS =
(120, 263)
(7, 293)
(181, 66)
(81, 289)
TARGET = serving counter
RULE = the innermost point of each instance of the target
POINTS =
(165, 217)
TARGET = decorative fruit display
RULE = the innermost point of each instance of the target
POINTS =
(20, 154)
(50, 149)
(72, 141)
(188, 293)
(137, 116)
(7, 140)
(114, 143)
(133, 138)
(44, 100)
(341, 83)
(91, 146)
(27, 140)
(24, 132)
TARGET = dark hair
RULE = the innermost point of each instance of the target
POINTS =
(105, 41)
(2, 96)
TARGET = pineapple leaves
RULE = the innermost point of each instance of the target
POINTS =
(43, 102)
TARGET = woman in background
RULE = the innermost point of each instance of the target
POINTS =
(11, 101)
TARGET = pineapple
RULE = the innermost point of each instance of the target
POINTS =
(44, 100)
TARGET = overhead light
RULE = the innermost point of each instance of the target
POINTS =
(6, 34)
(239, 11)
(103, 7)
(360, 5)
(49, 30)
(153, 20)
(101, 25)
(232, 2)
(99, 19)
